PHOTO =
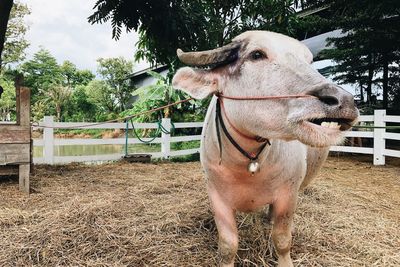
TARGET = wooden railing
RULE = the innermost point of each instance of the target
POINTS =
(49, 142)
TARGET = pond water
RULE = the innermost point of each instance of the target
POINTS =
(87, 150)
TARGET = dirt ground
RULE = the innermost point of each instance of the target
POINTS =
(123, 214)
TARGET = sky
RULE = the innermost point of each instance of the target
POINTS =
(61, 27)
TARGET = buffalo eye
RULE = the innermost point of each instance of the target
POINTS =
(257, 55)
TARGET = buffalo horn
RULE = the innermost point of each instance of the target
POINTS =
(221, 55)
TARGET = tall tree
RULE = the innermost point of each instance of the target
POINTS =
(114, 72)
(165, 25)
(72, 76)
(80, 107)
(101, 94)
(41, 73)
(5, 9)
(15, 42)
(53, 85)
(371, 45)
(58, 95)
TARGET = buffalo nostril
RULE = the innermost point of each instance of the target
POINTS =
(329, 100)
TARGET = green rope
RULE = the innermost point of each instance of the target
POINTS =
(160, 128)
(172, 127)
(165, 131)
(126, 137)
(140, 139)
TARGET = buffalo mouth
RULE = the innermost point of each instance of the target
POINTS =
(341, 124)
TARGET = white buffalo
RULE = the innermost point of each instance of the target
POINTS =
(267, 130)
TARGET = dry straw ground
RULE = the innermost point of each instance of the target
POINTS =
(158, 215)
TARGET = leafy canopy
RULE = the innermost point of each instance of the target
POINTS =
(101, 94)
(54, 85)
(7, 100)
(15, 42)
(114, 72)
(58, 95)
(165, 25)
(41, 72)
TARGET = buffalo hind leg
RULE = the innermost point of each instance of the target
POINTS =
(228, 241)
(270, 214)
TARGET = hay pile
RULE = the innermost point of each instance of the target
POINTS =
(158, 215)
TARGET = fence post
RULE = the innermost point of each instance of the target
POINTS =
(48, 140)
(166, 137)
(379, 141)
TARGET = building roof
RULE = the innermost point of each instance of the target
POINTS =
(307, 12)
(317, 43)
(143, 73)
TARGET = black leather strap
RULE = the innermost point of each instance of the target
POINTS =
(219, 120)
(218, 111)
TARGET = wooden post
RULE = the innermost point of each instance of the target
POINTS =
(379, 140)
(24, 172)
(24, 107)
(48, 140)
(24, 117)
(166, 137)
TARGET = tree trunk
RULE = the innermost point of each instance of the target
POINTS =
(361, 92)
(5, 9)
(385, 81)
(370, 77)
(58, 110)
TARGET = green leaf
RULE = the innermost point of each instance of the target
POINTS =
(156, 75)
(142, 90)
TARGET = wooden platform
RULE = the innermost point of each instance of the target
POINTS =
(145, 158)
(15, 141)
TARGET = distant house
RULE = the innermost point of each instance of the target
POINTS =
(142, 78)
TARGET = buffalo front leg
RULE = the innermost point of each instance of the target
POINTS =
(282, 229)
(224, 217)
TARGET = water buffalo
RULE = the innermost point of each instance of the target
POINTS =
(267, 130)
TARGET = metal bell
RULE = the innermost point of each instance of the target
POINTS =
(253, 167)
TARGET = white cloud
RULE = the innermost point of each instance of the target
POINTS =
(61, 27)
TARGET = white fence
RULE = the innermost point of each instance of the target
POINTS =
(379, 136)
(49, 142)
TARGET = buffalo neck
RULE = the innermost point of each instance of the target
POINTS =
(234, 145)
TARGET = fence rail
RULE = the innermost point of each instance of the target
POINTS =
(49, 142)
(379, 136)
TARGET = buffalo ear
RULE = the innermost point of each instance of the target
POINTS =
(197, 83)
